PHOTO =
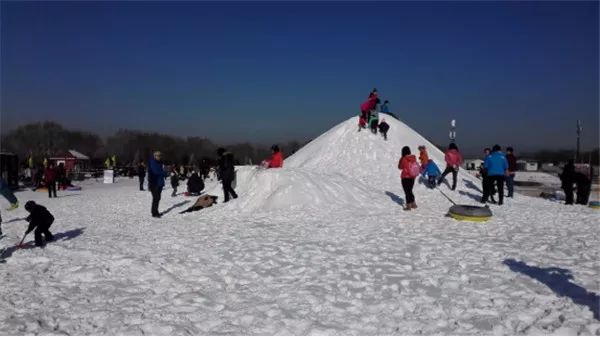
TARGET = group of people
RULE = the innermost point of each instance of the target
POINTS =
(369, 115)
(225, 171)
(496, 169)
(573, 180)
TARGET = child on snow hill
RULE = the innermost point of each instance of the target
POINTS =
(383, 128)
(431, 171)
(453, 161)
(39, 219)
(410, 170)
(369, 105)
(362, 122)
(374, 121)
(276, 160)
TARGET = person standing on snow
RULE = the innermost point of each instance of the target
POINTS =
(174, 180)
(156, 181)
(50, 180)
(488, 188)
(410, 170)
(568, 179)
(496, 166)
(276, 160)
(226, 173)
(453, 160)
(384, 127)
(39, 219)
(141, 173)
(512, 168)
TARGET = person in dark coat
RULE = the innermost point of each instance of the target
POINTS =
(583, 182)
(226, 173)
(39, 219)
(512, 168)
(174, 180)
(568, 178)
(50, 180)
(156, 181)
(141, 173)
(195, 184)
(61, 176)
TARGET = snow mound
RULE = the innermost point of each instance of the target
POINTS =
(363, 156)
(294, 189)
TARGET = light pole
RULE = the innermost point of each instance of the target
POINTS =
(579, 129)
(453, 130)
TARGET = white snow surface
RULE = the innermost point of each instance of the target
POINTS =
(320, 246)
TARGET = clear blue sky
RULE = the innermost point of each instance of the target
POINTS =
(518, 73)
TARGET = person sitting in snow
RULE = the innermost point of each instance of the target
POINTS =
(431, 172)
(39, 219)
(195, 185)
(453, 161)
(276, 160)
(384, 107)
(383, 128)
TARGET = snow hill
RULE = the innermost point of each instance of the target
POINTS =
(319, 247)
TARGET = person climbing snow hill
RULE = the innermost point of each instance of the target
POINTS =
(431, 172)
(368, 106)
(410, 170)
(384, 107)
(362, 123)
(39, 219)
(453, 160)
(374, 121)
(384, 127)
(276, 160)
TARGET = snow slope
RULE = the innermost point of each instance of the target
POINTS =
(318, 247)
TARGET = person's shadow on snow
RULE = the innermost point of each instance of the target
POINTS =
(471, 195)
(558, 280)
(68, 235)
(395, 198)
(471, 185)
(174, 206)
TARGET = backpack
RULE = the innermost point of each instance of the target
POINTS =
(413, 169)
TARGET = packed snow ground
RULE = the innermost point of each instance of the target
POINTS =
(318, 247)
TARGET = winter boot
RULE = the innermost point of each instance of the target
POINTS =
(413, 205)
(13, 206)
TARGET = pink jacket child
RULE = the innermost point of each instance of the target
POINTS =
(453, 158)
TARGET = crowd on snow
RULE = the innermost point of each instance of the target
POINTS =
(497, 170)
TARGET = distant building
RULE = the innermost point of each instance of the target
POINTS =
(527, 165)
(72, 160)
(472, 164)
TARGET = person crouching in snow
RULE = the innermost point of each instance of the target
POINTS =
(383, 128)
(410, 170)
(195, 185)
(276, 160)
(431, 171)
(39, 219)
(374, 121)
(423, 157)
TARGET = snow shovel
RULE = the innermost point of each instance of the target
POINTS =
(20, 244)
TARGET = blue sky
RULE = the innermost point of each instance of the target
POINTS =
(514, 73)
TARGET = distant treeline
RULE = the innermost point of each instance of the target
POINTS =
(561, 156)
(46, 139)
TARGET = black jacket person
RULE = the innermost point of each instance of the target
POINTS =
(39, 219)
(226, 173)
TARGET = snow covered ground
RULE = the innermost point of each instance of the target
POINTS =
(318, 247)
